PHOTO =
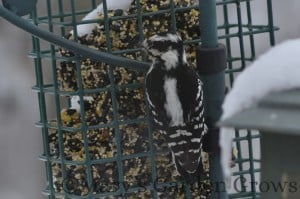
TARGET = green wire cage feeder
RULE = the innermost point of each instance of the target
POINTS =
(97, 134)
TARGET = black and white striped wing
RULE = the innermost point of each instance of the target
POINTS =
(197, 114)
(154, 112)
(186, 141)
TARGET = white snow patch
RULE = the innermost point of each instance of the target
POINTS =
(168, 37)
(276, 70)
(75, 101)
(86, 29)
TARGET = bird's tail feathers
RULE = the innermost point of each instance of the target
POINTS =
(193, 177)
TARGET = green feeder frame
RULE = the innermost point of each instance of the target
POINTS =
(277, 117)
(62, 16)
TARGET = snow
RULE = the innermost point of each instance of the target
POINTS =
(276, 70)
(75, 102)
(86, 29)
(173, 105)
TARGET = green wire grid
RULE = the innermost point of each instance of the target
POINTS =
(61, 19)
(244, 31)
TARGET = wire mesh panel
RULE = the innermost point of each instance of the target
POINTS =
(97, 134)
(242, 38)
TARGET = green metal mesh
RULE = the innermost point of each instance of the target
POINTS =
(107, 148)
(244, 32)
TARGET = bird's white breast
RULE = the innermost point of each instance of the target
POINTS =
(173, 106)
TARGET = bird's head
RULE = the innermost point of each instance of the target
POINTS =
(165, 47)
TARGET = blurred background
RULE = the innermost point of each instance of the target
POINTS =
(21, 173)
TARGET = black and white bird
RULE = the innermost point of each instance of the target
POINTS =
(175, 96)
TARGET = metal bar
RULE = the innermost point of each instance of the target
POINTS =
(84, 127)
(61, 19)
(113, 91)
(240, 34)
(57, 107)
(251, 37)
(173, 17)
(271, 22)
(228, 43)
(42, 111)
(251, 164)
(214, 89)
(239, 157)
(81, 50)
(152, 152)
(208, 23)
(44, 19)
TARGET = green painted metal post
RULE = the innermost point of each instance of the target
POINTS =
(208, 23)
(211, 64)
